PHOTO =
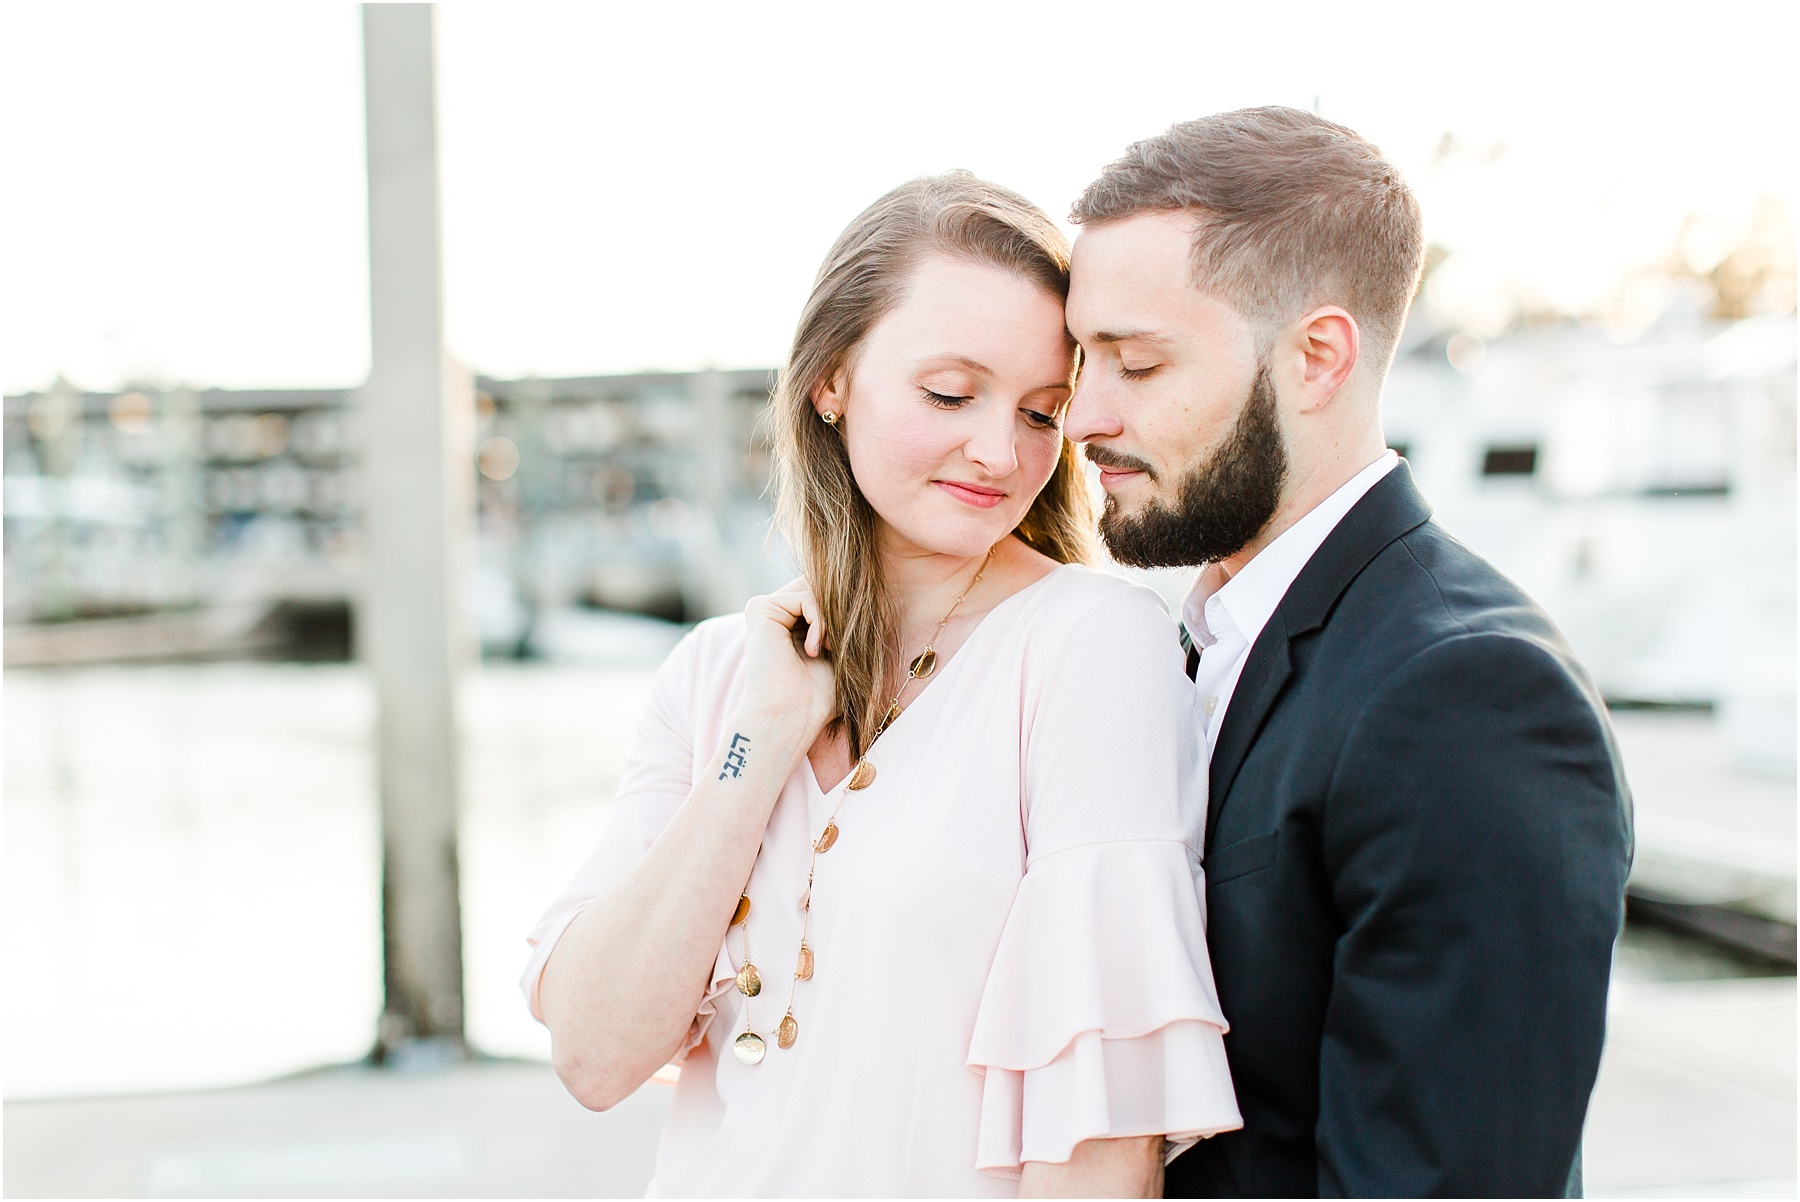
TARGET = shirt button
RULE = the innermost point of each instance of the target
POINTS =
(1212, 703)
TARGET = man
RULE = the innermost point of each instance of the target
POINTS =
(1418, 832)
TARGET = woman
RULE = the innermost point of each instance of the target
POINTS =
(902, 872)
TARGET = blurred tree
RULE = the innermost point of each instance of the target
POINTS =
(1746, 275)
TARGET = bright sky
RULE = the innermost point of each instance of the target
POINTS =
(652, 186)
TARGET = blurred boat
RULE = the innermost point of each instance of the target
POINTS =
(1643, 493)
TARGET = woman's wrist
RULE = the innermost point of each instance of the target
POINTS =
(780, 738)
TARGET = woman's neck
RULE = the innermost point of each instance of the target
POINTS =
(924, 584)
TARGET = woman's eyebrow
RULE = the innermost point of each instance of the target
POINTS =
(961, 360)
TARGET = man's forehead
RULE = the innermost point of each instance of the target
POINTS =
(1158, 240)
(1132, 281)
(1141, 257)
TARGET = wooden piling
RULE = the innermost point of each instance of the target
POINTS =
(417, 412)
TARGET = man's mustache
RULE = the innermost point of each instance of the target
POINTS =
(1118, 461)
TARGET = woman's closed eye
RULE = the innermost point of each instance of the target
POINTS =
(1039, 420)
(1137, 373)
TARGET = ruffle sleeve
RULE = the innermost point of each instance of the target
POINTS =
(724, 978)
(1099, 1019)
(550, 929)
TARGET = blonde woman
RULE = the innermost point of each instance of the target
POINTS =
(902, 873)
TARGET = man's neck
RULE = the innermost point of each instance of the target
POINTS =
(1301, 496)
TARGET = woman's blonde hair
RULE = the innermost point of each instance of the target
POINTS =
(824, 515)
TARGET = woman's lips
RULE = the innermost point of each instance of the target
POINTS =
(972, 494)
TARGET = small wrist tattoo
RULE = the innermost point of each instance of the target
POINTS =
(736, 757)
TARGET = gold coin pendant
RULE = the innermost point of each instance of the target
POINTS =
(863, 775)
(892, 715)
(787, 1032)
(827, 838)
(743, 910)
(749, 1048)
(804, 970)
(924, 664)
(749, 981)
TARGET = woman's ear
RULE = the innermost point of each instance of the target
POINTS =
(828, 397)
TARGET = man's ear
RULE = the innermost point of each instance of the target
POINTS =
(1327, 344)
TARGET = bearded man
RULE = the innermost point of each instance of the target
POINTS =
(1419, 830)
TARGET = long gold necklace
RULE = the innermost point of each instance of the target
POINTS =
(749, 1047)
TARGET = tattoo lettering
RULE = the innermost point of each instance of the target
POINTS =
(736, 757)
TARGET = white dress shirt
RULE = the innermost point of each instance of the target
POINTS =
(1224, 617)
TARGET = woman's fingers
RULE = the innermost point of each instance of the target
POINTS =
(815, 628)
(785, 606)
(792, 604)
(797, 593)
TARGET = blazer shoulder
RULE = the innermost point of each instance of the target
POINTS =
(1483, 706)
(1424, 590)
(1508, 660)
(1472, 593)
(1425, 574)
(1490, 660)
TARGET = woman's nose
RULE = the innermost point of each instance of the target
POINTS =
(993, 444)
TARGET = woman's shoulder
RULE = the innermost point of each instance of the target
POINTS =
(1090, 624)
(1077, 595)
(713, 637)
(706, 655)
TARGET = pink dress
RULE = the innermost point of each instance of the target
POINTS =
(1010, 934)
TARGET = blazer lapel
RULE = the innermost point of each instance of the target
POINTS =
(1391, 508)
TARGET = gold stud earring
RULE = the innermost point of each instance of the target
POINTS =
(829, 417)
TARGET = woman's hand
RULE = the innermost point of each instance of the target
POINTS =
(627, 976)
(786, 682)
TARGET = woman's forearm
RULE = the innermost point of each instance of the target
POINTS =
(1100, 1168)
(621, 986)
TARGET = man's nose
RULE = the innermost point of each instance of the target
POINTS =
(1090, 414)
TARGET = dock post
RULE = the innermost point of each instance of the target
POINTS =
(716, 582)
(418, 416)
(181, 503)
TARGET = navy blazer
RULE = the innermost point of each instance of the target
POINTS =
(1415, 861)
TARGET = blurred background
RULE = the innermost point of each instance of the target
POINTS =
(1596, 391)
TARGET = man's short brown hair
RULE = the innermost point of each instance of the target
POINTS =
(1291, 211)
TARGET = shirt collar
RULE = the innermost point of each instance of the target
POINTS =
(1249, 599)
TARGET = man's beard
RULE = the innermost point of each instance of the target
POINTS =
(1224, 502)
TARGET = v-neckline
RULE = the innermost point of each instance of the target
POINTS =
(812, 775)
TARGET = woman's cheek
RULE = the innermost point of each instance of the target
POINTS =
(1037, 463)
(889, 467)
(1046, 449)
(920, 440)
